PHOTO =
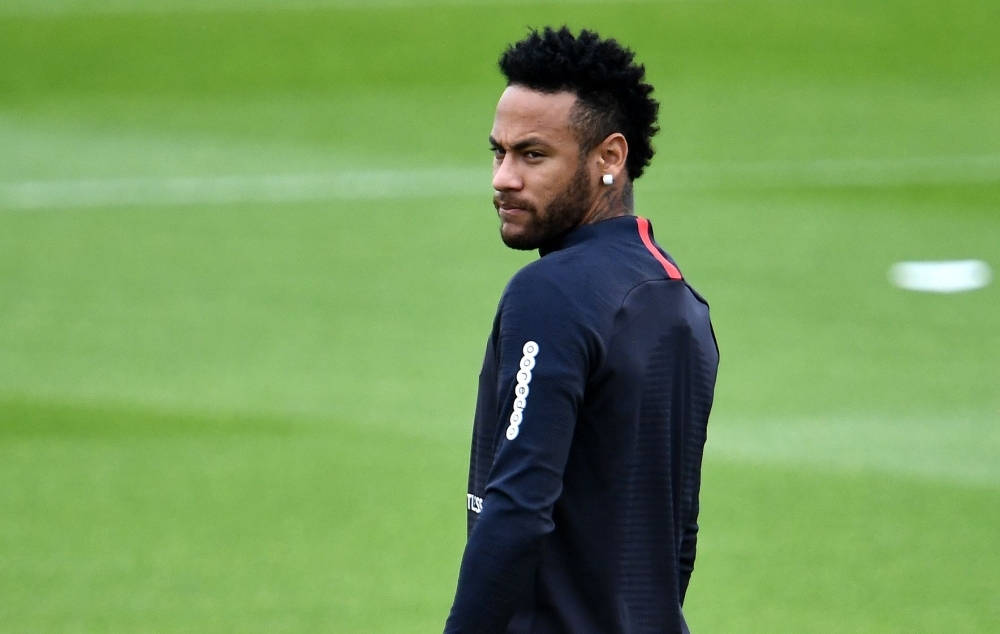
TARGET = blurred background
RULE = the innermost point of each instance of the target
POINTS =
(248, 266)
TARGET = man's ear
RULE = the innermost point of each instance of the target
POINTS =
(611, 156)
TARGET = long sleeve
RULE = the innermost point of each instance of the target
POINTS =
(689, 542)
(542, 356)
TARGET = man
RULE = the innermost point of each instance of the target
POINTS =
(599, 373)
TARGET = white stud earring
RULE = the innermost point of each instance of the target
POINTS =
(608, 179)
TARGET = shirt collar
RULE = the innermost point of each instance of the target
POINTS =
(584, 233)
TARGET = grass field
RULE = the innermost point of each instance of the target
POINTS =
(248, 265)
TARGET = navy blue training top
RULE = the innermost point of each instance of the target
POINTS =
(586, 452)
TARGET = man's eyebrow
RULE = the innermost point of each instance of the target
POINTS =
(521, 145)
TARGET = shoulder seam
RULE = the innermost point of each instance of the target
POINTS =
(671, 269)
(630, 291)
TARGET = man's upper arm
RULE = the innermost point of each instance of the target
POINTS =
(543, 356)
(544, 363)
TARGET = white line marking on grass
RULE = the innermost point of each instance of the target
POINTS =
(227, 190)
(932, 170)
(941, 277)
(425, 183)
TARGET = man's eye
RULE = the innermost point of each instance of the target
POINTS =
(497, 152)
(533, 155)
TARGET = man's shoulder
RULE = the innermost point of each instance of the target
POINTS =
(548, 279)
(569, 285)
(545, 301)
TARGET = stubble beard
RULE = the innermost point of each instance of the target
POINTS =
(557, 218)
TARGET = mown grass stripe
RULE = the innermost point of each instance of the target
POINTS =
(145, 7)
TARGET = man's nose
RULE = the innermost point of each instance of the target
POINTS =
(505, 176)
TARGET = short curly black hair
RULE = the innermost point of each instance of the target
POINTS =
(612, 96)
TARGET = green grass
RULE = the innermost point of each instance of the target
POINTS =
(256, 417)
(130, 520)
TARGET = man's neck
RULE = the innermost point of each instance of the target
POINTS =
(613, 201)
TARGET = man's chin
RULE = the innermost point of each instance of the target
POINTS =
(518, 238)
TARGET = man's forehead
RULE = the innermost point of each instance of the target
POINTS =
(522, 111)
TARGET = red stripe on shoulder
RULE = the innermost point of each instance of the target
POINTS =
(668, 266)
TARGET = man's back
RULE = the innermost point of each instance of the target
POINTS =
(590, 424)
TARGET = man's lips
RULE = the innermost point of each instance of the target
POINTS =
(509, 209)
(509, 213)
